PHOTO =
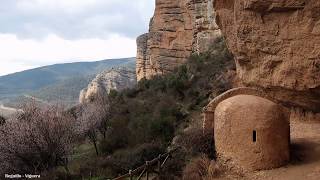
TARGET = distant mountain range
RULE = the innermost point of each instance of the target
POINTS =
(55, 83)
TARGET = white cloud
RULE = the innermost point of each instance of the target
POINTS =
(8, 67)
(78, 6)
(17, 54)
(66, 5)
(41, 32)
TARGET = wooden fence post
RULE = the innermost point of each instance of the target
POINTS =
(159, 165)
(149, 167)
(147, 170)
(130, 174)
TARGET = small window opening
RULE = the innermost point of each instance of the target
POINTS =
(254, 136)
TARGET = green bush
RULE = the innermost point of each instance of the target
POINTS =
(196, 142)
(117, 137)
(110, 145)
(157, 107)
(156, 110)
(124, 160)
(113, 93)
(162, 129)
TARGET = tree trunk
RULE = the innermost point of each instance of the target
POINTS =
(96, 147)
(104, 135)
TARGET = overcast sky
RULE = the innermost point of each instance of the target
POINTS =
(34, 33)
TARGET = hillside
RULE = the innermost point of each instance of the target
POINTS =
(231, 86)
(142, 121)
(59, 82)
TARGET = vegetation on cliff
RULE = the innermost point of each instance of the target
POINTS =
(144, 120)
(125, 129)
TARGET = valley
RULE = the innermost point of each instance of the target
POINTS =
(60, 83)
(230, 89)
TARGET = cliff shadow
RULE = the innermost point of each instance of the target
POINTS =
(304, 151)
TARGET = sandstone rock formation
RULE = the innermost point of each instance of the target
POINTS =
(7, 112)
(114, 79)
(276, 44)
(177, 29)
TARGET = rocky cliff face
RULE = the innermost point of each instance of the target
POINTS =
(177, 29)
(114, 79)
(276, 44)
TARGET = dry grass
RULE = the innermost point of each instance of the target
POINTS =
(202, 168)
(195, 141)
(214, 170)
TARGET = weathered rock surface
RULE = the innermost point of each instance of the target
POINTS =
(177, 29)
(114, 79)
(253, 132)
(276, 44)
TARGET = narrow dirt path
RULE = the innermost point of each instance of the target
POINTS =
(305, 157)
(305, 152)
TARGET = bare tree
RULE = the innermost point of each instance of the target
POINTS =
(104, 112)
(89, 123)
(2, 120)
(38, 139)
(93, 119)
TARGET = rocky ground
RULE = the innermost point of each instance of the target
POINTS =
(305, 161)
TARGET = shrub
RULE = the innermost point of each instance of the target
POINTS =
(196, 142)
(144, 84)
(39, 139)
(124, 160)
(58, 174)
(113, 93)
(157, 109)
(202, 168)
(197, 168)
(214, 170)
(174, 165)
(131, 93)
(116, 140)
(162, 129)
(179, 81)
